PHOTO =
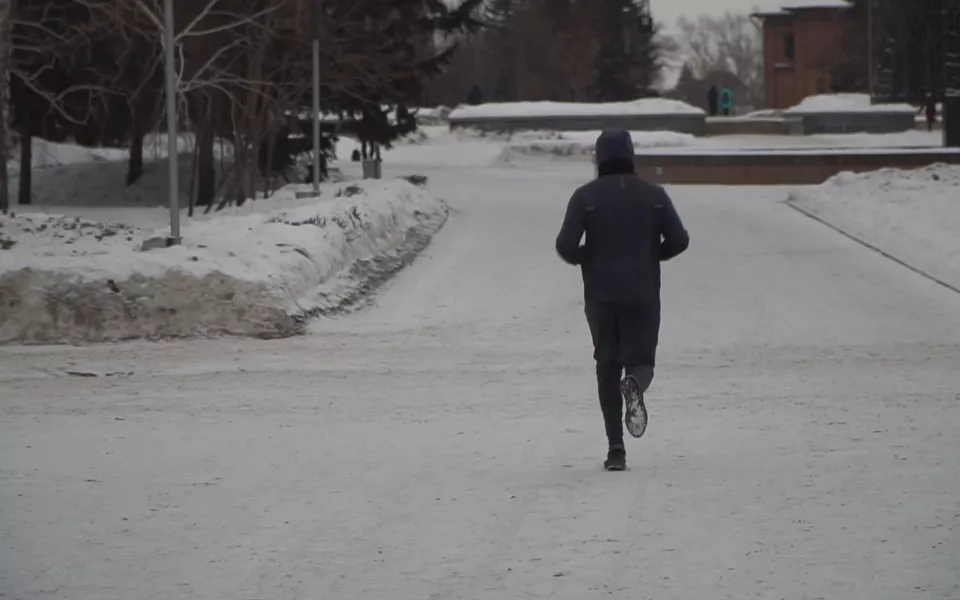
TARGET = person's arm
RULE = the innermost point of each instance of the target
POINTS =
(675, 237)
(571, 232)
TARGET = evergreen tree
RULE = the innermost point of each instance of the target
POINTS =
(913, 41)
(951, 47)
(850, 67)
(501, 17)
(407, 30)
(629, 58)
(613, 60)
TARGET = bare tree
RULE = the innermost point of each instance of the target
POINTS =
(729, 43)
(243, 68)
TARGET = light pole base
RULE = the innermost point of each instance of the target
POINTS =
(156, 243)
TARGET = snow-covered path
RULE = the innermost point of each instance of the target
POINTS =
(447, 443)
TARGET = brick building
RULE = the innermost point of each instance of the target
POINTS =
(799, 42)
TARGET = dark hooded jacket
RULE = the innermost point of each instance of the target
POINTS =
(630, 224)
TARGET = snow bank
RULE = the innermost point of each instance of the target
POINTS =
(844, 103)
(432, 116)
(913, 215)
(580, 144)
(644, 106)
(799, 4)
(261, 270)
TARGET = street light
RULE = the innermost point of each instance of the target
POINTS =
(171, 93)
(315, 34)
(870, 50)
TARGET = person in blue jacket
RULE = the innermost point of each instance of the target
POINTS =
(726, 101)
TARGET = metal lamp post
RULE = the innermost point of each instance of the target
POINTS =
(315, 34)
(171, 93)
(870, 48)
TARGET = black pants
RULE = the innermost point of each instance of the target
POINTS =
(625, 337)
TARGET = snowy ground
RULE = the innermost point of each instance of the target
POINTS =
(845, 103)
(446, 443)
(912, 215)
(643, 106)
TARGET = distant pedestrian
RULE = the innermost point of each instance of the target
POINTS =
(726, 101)
(631, 226)
(930, 107)
(713, 97)
(475, 96)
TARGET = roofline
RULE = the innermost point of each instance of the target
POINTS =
(788, 11)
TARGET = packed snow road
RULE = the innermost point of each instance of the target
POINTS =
(447, 442)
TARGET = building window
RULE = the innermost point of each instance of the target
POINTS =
(788, 46)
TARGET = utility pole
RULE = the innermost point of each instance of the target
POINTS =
(170, 70)
(6, 16)
(315, 34)
(870, 48)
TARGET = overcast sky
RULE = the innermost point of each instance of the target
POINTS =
(667, 11)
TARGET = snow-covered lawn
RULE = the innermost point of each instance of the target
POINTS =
(70, 176)
(644, 106)
(825, 103)
(913, 215)
(259, 270)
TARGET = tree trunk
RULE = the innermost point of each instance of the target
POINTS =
(26, 165)
(268, 175)
(135, 166)
(206, 173)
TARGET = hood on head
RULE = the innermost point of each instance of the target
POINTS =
(614, 145)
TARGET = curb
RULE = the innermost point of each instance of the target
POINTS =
(810, 215)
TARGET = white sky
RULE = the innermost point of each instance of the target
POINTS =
(668, 11)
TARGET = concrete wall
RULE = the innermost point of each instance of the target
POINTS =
(699, 125)
(857, 122)
(732, 126)
(806, 168)
(694, 124)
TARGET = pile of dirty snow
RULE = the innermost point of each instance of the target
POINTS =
(580, 144)
(261, 270)
(912, 215)
(844, 103)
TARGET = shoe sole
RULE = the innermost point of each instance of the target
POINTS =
(636, 411)
(615, 467)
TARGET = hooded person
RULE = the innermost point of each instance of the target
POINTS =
(631, 226)
(726, 100)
